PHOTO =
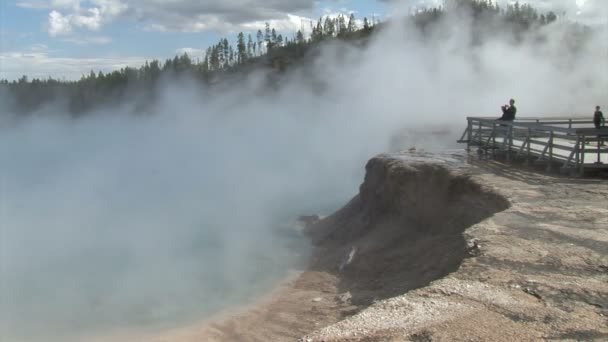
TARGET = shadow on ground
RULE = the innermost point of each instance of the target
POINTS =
(529, 174)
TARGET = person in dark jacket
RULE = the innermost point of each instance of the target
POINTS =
(598, 118)
(509, 111)
(599, 122)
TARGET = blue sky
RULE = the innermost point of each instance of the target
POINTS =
(67, 38)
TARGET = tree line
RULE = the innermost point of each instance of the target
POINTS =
(264, 48)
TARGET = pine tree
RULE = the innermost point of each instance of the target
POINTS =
(215, 59)
(342, 28)
(260, 37)
(280, 40)
(231, 56)
(241, 49)
(317, 33)
(154, 70)
(250, 46)
(273, 36)
(267, 34)
(175, 63)
(204, 67)
(329, 27)
(352, 24)
(226, 48)
(184, 63)
(299, 37)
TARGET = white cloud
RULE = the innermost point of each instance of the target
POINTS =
(39, 62)
(236, 15)
(58, 24)
(292, 23)
(67, 4)
(111, 8)
(88, 40)
(192, 52)
(92, 21)
(177, 15)
(67, 15)
(32, 4)
(49, 4)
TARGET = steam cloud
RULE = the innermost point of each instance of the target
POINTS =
(115, 220)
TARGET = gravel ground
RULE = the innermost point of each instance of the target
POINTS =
(537, 271)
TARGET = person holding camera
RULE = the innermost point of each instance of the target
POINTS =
(508, 111)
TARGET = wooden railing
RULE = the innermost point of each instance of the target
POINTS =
(549, 141)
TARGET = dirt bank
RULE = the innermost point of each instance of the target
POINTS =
(438, 249)
(403, 230)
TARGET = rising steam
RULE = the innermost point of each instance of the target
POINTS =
(116, 220)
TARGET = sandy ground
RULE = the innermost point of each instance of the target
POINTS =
(537, 270)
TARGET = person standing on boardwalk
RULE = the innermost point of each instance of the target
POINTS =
(509, 111)
(599, 122)
(598, 118)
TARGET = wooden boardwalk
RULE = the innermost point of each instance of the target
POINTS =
(572, 144)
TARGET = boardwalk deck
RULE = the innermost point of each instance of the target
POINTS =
(572, 143)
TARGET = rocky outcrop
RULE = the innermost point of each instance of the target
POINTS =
(404, 228)
(535, 271)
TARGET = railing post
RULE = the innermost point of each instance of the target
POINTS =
(577, 150)
(528, 148)
(480, 137)
(599, 160)
(509, 142)
(582, 151)
(470, 134)
(550, 164)
(494, 140)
